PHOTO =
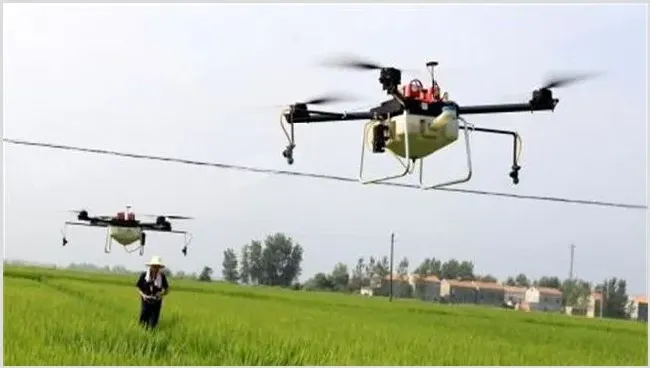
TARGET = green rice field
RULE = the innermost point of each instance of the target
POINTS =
(55, 317)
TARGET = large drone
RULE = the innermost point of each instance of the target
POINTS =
(417, 121)
(125, 229)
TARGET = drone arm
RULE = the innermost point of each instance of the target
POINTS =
(505, 108)
(299, 114)
(187, 234)
(73, 223)
(542, 100)
(313, 116)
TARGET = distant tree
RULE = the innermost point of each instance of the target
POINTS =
(206, 274)
(167, 272)
(120, 269)
(487, 278)
(466, 270)
(280, 261)
(255, 261)
(320, 282)
(229, 264)
(450, 270)
(245, 268)
(429, 267)
(403, 267)
(422, 269)
(369, 271)
(511, 281)
(180, 275)
(549, 282)
(382, 268)
(522, 280)
(356, 281)
(340, 277)
(575, 293)
(615, 297)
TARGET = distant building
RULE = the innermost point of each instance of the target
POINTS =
(515, 294)
(366, 291)
(638, 308)
(472, 292)
(589, 308)
(594, 304)
(544, 299)
(401, 287)
(491, 293)
(425, 288)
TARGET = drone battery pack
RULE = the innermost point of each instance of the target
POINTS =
(426, 134)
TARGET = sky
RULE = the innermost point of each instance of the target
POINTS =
(207, 82)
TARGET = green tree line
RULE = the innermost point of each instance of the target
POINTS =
(276, 261)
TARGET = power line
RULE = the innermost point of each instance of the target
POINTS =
(313, 175)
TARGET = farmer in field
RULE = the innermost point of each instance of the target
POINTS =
(152, 286)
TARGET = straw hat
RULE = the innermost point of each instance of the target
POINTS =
(156, 261)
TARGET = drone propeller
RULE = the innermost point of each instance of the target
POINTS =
(78, 212)
(327, 99)
(171, 217)
(353, 63)
(356, 63)
(557, 81)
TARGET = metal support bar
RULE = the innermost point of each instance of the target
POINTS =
(187, 239)
(516, 148)
(466, 128)
(407, 159)
(64, 230)
(107, 245)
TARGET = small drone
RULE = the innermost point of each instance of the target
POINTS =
(417, 121)
(126, 230)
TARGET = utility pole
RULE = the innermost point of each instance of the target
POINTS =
(392, 250)
(573, 247)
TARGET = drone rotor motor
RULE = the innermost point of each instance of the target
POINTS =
(83, 215)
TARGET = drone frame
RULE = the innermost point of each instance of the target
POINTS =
(104, 222)
(390, 78)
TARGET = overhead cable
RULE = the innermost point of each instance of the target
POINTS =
(313, 175)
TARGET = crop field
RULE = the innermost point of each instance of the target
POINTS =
(54, 317)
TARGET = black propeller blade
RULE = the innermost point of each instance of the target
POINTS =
(78, 211)
(171, 217)
(326, 99)
(357, 63)
(557, 81)
(174, 217)
(352, 63)
(85, 212)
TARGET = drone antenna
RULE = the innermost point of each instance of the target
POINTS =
(128, 207)
(431, 66)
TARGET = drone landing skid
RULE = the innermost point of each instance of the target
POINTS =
(466, 128)
(409, 164)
